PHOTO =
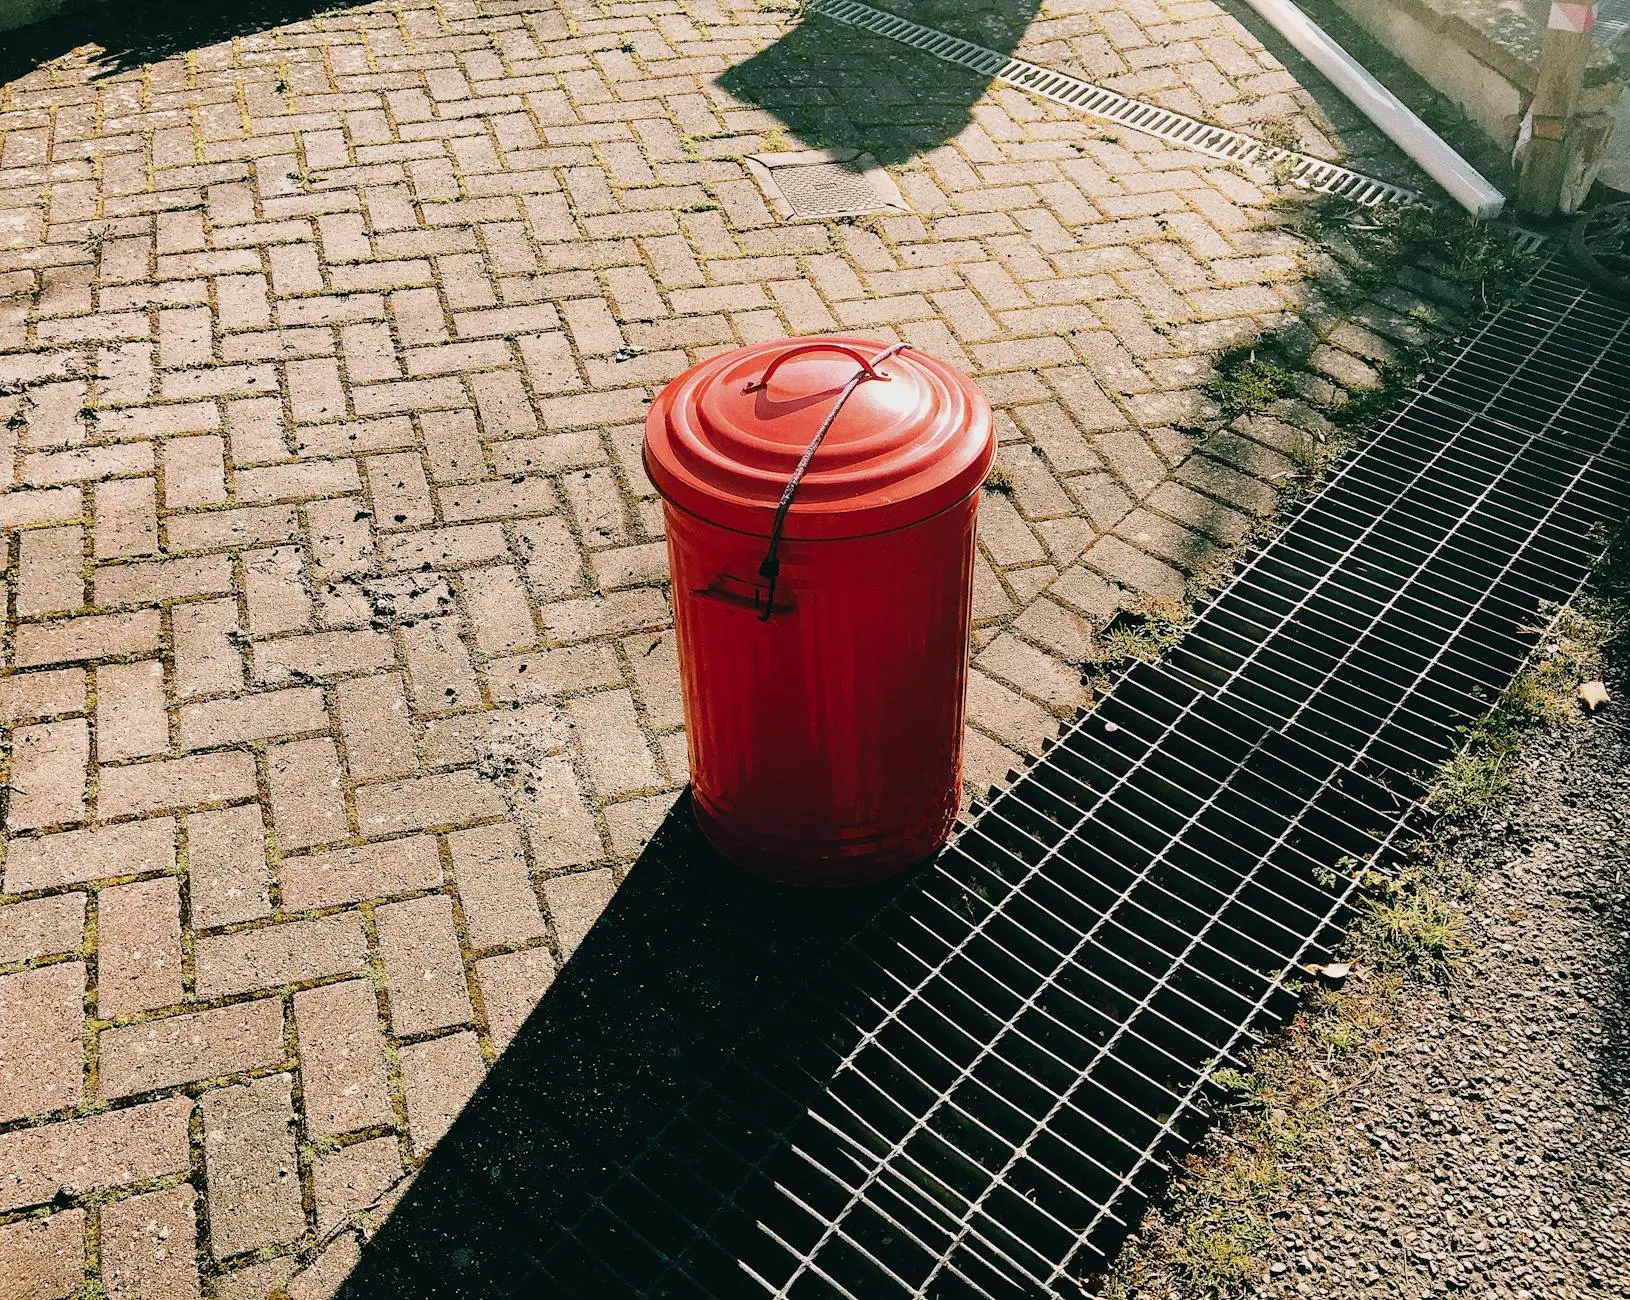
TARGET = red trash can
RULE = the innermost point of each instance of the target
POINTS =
(820, 497)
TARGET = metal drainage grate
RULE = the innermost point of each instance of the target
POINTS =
(1202, 137)
(979, 1094)
(818, 184)
(826, 190)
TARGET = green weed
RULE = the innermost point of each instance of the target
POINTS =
(1414, 929)
(1209, 1237)
(1278, 133)
(1143, 631)
(1246, 382)
(1460, 250)
(1468, 784)
(775, 140)
(1573, 650)
(1235, 1083)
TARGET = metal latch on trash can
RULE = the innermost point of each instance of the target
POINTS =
(770, 569)
(744, 593)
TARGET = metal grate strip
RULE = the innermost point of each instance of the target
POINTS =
(1202, 137)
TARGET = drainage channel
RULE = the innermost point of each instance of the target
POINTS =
(979, 1094)
(1134, 114)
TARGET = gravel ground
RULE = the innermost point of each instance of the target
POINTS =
(1488, 1154)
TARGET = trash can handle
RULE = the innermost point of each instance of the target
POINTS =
(820, 346)
(770, 569)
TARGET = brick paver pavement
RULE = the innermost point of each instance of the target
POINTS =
(338, 674)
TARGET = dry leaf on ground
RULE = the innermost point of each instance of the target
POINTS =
(1593, 695)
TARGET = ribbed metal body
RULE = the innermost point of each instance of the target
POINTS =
(826, 742)
(819, 498)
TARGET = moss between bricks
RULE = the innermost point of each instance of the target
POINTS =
(1376, 244)
(1393, 282)
(1208, 1237)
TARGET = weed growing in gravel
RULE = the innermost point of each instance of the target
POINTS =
(1468, 783)
(1412, 921)
(1216, 1228)
(1413, 927)
(1208, 1237)
(1221, 1251)
(1573, 650)
(1340, 1028)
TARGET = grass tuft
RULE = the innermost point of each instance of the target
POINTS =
(999, 480)
(1412, 927)
(1278, 133)
(1574, 649)
(1143, 631)
(1469, 783)
(1246, 382)
(1471, 255)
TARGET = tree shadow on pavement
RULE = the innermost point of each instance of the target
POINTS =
(836, 86)
(132, 35)
(686, 975)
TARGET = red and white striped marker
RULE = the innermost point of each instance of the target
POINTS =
(1572, 17)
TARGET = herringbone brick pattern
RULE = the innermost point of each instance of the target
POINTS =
(338, 668)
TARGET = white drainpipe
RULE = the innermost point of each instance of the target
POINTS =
(1463, 181)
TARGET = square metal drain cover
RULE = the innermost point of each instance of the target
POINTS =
(818, 184)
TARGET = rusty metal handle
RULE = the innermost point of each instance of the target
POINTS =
(865, 362)
(771, 568)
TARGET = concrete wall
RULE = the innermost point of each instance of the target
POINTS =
(1484, 55)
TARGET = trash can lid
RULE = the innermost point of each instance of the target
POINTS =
(721, 443)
